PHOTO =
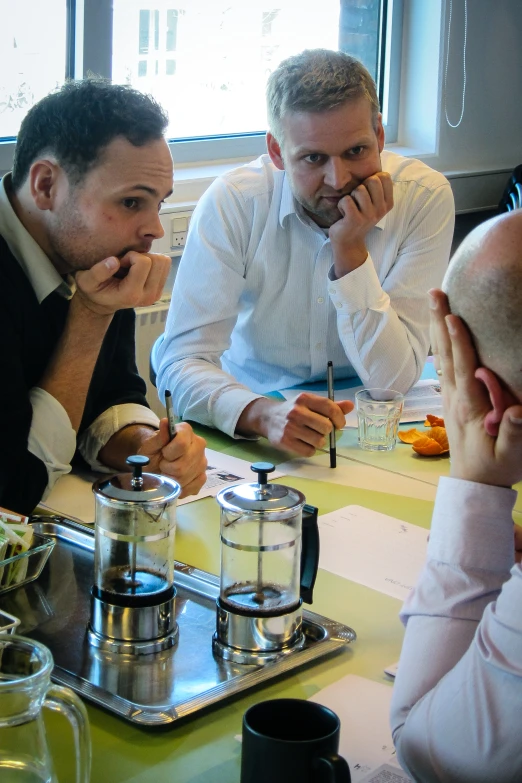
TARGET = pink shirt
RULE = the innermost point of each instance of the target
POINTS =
(457, 701)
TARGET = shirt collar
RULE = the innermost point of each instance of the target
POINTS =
(38, 268)
(289, 206)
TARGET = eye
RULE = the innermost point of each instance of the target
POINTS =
(355, 152)
(314, 157)
(130, 203)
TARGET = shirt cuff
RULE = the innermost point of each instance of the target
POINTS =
(106, 425)
(51, 437)
(358, 290)
(226, 407)
(472, 525)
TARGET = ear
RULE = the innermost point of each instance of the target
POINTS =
(379, 132)
(44, 180)
(274, 150)
(501, 399)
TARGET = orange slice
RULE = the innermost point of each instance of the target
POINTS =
(427, 447)
(433, 421)
(432, 444)
(410, 436)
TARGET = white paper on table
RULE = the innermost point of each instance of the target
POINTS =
(363, 707)
(73, 498)
(423, 398)
(353, 473)
(223, 471)
(372, 549)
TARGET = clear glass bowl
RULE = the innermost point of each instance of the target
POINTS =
(27, 566)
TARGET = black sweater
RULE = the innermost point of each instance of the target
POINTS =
(29, 333)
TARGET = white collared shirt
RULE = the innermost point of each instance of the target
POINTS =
(254, 308)
(51, 437)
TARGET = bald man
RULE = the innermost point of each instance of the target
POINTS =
(458, 694)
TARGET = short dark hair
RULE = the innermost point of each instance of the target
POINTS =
(79, 120)
(317, 80)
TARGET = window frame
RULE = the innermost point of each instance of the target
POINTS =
(89, 39)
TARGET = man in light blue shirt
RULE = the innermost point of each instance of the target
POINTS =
(321, 250)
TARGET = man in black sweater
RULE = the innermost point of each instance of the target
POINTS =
(78, 215)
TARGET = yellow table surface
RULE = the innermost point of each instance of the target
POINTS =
(204, 747)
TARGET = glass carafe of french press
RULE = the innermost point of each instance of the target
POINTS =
(132, 606)
(269, 562)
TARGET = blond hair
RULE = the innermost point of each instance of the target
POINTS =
(317, 80)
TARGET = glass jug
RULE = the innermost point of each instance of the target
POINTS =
(25, 687)
(263, 571)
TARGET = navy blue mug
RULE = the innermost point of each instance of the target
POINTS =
(287, 740)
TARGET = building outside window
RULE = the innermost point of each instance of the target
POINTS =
(205, 61)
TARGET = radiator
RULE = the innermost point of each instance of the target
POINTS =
(150, 323)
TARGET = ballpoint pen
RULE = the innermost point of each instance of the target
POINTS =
(170, 414)
(330, 383)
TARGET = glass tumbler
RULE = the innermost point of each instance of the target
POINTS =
(378, 415)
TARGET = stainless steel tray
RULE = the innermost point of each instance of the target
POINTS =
(149, 690)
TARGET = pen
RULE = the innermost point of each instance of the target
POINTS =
(170, 414)
(330, 383)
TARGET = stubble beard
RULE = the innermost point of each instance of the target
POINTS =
(324, 217)
(73, 243)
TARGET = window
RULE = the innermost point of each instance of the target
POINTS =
(205, 61)
(32, 56)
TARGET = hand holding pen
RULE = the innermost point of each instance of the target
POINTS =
(176, 451)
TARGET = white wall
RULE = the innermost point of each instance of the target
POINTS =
(488, 143)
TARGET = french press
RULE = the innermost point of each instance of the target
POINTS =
(269, 559)
(132, 599)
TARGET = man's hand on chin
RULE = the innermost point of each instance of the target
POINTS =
(360, 210)
(136, 280)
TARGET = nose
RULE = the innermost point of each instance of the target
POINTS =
(337, 173)
(153, 227)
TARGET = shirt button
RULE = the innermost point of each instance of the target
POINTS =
(339, 305)
(331, 290)
(320, 299)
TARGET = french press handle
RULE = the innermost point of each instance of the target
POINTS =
(309, 552)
